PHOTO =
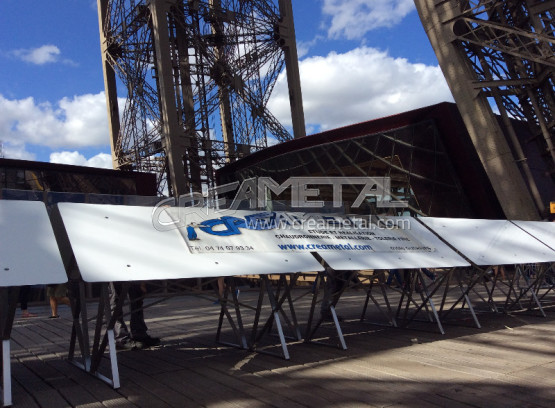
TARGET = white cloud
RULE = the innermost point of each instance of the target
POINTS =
(101, 160)
(338, 90)
(16, 151)
(303, 47)
(357, 86)
(354, 18)
(76, 122)
(39, 56)
(45, 54)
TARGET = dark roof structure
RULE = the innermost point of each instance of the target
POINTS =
(63, 178)
(426, 152)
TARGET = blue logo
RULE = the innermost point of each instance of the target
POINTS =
(226, 226)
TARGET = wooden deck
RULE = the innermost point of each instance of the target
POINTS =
(509, 362)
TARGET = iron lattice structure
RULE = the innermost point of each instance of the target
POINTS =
(197, 76)
(499, 57)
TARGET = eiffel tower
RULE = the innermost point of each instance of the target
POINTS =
(498, 59)
(196, 76)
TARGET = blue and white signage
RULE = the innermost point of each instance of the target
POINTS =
(274, 231)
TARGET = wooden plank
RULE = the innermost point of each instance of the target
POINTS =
(96, 390)
(506, 363)
(37, 388)
(22, 397)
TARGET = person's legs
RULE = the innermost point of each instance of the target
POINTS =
(23, 297)
(64, 300)
(138, 326)
(23, 301)
(394, 274)
(53, 307)
(58, 295)
(221, 289)
(389, 278)
(121, 333)
(499, 271)
(137, 321)
(51, 294)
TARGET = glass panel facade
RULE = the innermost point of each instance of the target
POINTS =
(37, 176)
(413, 157)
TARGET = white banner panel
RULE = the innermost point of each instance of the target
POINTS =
(29, 253)
(401, 254)
(541, 230)
(345, 242)
(491, 242)
(122, 243)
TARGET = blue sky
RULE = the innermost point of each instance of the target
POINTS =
(359, 60)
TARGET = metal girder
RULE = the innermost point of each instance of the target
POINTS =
(196, 76)
(499, 56)
(517, 42)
